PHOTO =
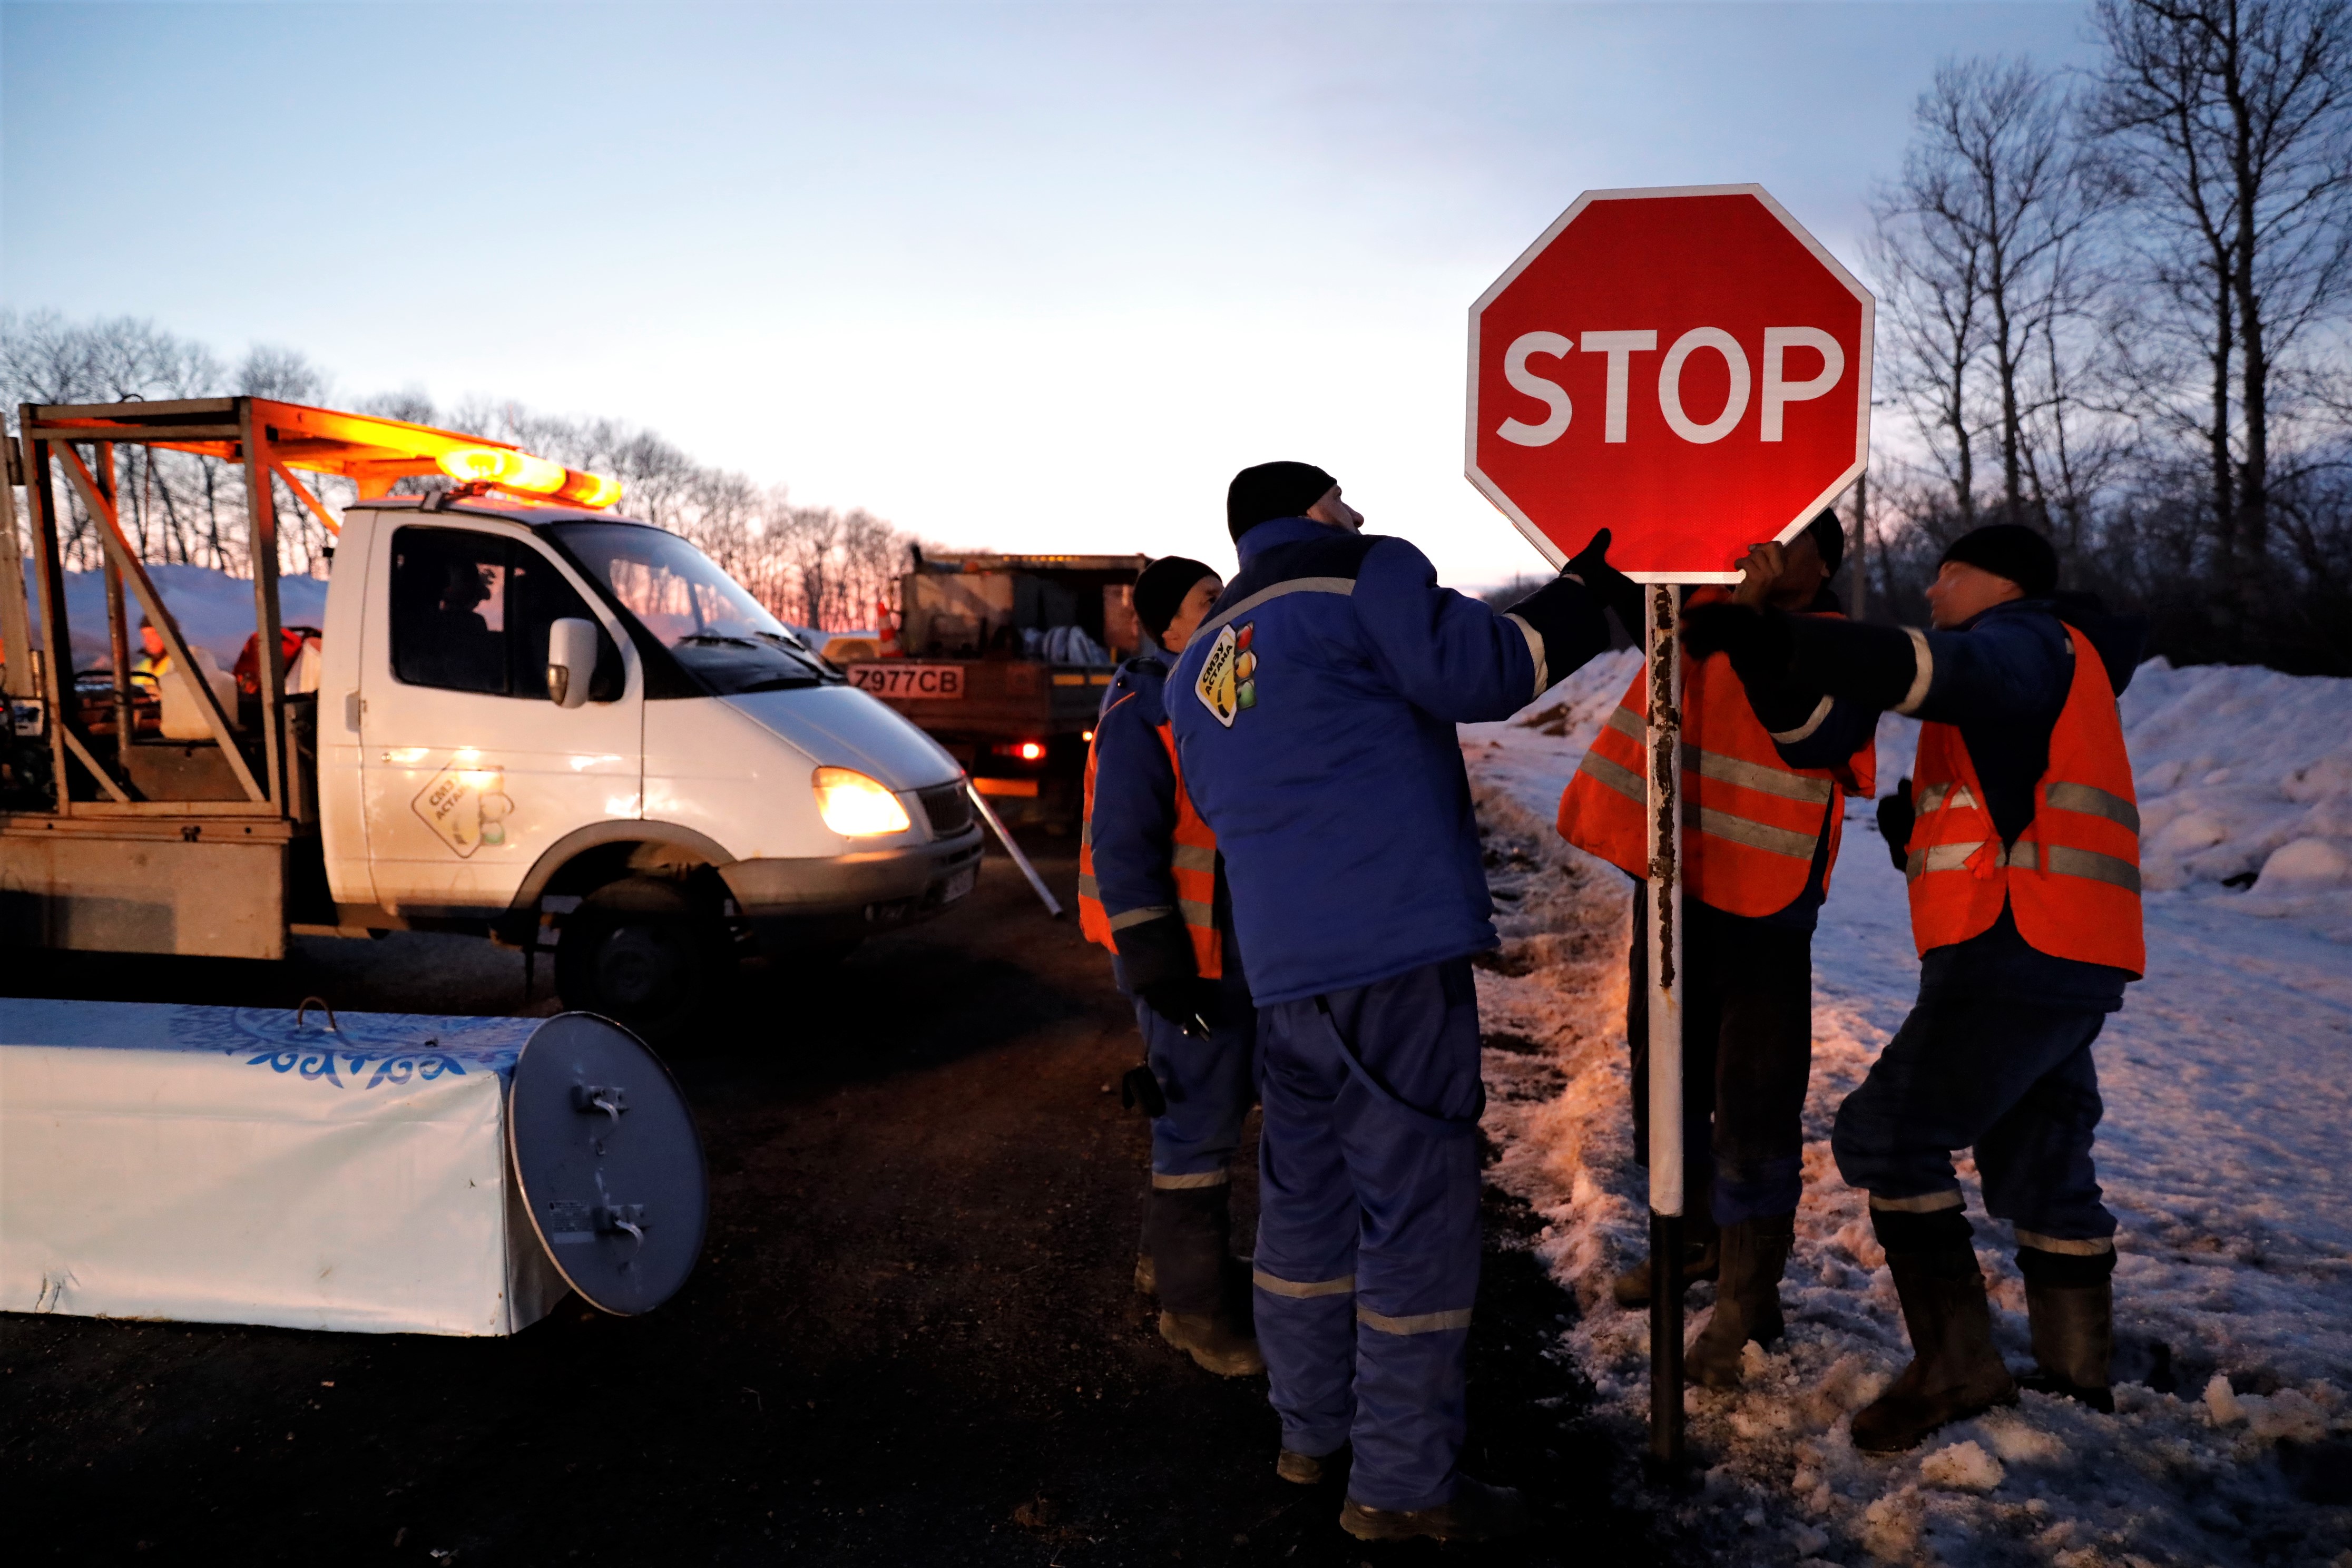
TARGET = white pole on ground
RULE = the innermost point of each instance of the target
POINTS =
(1664, 975)
(1052, 907)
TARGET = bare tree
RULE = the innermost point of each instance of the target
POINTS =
(2233, 120)
(1984, 247)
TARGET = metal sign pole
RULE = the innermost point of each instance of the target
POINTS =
(1037, 883)
(1664, 934)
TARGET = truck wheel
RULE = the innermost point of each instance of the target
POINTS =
(646, 951)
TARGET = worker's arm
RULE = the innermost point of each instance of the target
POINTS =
(1132, 830)
(1462, 660)
(2007, 667)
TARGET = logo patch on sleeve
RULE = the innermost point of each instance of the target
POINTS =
(1218, 687)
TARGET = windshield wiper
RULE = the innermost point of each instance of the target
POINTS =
(782, 683)
(715, 639)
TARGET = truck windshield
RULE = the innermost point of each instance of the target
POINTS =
(719, 632)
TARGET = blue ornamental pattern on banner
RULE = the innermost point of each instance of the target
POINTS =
(367, 1050)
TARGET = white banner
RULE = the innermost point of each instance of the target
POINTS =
(219, 1164)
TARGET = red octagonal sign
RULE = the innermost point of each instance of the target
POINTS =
(1687, 367)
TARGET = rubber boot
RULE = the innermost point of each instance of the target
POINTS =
(1476, 1512)
(2074, 1341)
(1747, 1299)
(1955, 1373)
(1701, 1260)
(1188, 1233)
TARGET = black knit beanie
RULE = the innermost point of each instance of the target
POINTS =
(1829, 538)
(2010, 550)
(1273, 489)
(1161, 587)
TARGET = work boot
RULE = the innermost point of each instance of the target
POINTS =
(1700, 1261)
(1213, 1340)
(1475, 1512)
(2073, 1340)
(1303, 1469)
(1747, 1297)
(1955, 1373)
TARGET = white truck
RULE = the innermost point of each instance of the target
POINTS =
(529, 720)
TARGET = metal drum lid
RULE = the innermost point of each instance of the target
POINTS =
(609, 1161)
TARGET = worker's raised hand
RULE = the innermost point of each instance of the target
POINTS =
(1609, 587)
(1763, 565)
(1595, 554)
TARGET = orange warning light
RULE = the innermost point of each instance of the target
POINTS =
(1031, 752)
(514, 470)
(593, 490)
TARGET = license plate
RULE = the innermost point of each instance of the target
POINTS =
(922, 682)
(959, 884)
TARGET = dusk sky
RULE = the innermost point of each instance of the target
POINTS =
(1027, 277)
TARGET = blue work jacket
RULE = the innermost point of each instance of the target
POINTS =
(1314, 714)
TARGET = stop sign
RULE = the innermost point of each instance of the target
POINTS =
(1684, 366)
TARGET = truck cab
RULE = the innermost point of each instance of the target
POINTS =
(534, 721)
(1004, 660)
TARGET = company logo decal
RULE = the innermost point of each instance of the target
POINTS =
(465, 807)
(1228, 681)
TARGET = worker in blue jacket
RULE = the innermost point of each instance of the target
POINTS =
(1150, 891)
(1314, 711)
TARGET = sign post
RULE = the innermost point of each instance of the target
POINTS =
(1662, 938)
(1690, 369)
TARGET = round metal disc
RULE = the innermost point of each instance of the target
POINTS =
(610, 1164)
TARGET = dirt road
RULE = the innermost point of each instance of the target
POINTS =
(913, 1339)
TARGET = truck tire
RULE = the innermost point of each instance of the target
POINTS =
(647, 953)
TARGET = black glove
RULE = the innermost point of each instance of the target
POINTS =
(1192, 1004)
(1612, 588)
(1156, 953)
(1566, 613)
(1896, 816)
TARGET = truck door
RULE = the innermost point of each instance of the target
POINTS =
(469, 771)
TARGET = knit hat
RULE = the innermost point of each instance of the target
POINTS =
(1829, 539)
(1161, 587)
(2010, 550)
(1273, 489)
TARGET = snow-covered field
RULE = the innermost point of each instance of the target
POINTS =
(2227, 1081)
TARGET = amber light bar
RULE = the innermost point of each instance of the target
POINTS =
(512, 470)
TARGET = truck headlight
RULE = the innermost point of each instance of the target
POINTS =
(855, 807)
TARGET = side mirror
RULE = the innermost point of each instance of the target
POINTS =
(570, 660)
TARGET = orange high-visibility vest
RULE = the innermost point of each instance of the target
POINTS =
(1193, 863)
(1750, 822)
(2073, 877)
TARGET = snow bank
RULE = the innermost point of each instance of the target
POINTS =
(215, 610)
(2228, 1080)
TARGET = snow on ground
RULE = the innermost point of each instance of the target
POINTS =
(2228, 1080)
(215, 610)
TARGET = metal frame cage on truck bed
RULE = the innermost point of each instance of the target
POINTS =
(206, 846)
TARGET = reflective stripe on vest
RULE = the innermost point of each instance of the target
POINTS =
(1193, 864)
(2071, 878)
(1751, 822)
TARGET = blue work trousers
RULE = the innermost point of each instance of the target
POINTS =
(1366, 1260)
(1209, 1085)
(2014, 1080)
